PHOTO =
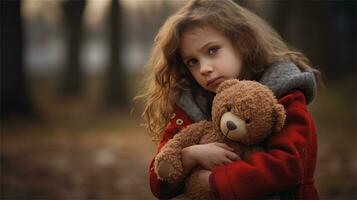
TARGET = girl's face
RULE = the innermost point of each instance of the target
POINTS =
(210, 56)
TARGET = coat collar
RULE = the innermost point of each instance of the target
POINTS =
(280, 77)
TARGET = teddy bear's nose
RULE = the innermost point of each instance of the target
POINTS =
(231, 125)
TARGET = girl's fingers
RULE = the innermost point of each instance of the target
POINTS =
(224, 146)
(226, 161)
(232, 156)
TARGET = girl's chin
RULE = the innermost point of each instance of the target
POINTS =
(212, 89)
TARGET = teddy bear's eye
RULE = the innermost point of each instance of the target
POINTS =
(229, 107)
(247, 120)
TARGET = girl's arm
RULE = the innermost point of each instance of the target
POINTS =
(290, 159)
(183, 152)
(162, 189)
(207, 156)
(217, 153)
(168, 163)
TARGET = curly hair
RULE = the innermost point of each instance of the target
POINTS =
(259, 44)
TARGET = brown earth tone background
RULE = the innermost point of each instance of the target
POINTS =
(69, 71)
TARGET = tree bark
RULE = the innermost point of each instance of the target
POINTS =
(15, 98)
(72, 80)
(116, 80)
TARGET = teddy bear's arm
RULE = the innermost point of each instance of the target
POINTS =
(168, 162)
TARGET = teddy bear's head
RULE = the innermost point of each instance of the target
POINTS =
(246, 111)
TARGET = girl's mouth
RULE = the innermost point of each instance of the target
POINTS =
(215, 81)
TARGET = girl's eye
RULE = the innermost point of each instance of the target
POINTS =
(212, 51)
(192, 62)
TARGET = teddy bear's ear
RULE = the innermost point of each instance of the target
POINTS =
(226, 84)
(280, 117)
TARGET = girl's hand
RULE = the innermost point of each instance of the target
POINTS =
(210, 155)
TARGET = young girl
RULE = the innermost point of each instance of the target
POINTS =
(203, 44)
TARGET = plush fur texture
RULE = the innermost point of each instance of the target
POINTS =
(244, 113)
(280, 77)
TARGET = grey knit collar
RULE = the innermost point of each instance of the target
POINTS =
(188, 104)
(280, 77)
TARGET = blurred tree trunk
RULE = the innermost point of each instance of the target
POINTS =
(15, 98)
(116, 91)
(304, 26)
(72, 80)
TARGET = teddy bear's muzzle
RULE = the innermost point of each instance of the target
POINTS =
(233, 127)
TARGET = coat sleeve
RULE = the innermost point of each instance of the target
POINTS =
(162, 189)
(279, 168)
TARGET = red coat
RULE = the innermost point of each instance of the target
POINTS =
(286, 168)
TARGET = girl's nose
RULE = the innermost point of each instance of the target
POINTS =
(206, 68)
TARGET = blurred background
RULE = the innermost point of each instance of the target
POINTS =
(69, 71)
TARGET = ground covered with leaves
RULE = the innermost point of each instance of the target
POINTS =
(67, 165)
(77, 151)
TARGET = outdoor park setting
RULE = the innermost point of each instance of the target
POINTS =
(71, 68)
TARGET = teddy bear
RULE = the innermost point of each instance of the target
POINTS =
(244, 114)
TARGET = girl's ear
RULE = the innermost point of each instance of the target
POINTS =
(226, 84)
(280, 117)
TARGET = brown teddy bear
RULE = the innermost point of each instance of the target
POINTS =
(244, 113)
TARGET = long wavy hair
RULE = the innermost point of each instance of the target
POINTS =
(259, 44)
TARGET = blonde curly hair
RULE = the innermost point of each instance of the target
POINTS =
(259, 44)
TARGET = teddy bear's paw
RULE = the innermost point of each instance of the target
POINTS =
(194, 188)
(164, 169)
(181, 197)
